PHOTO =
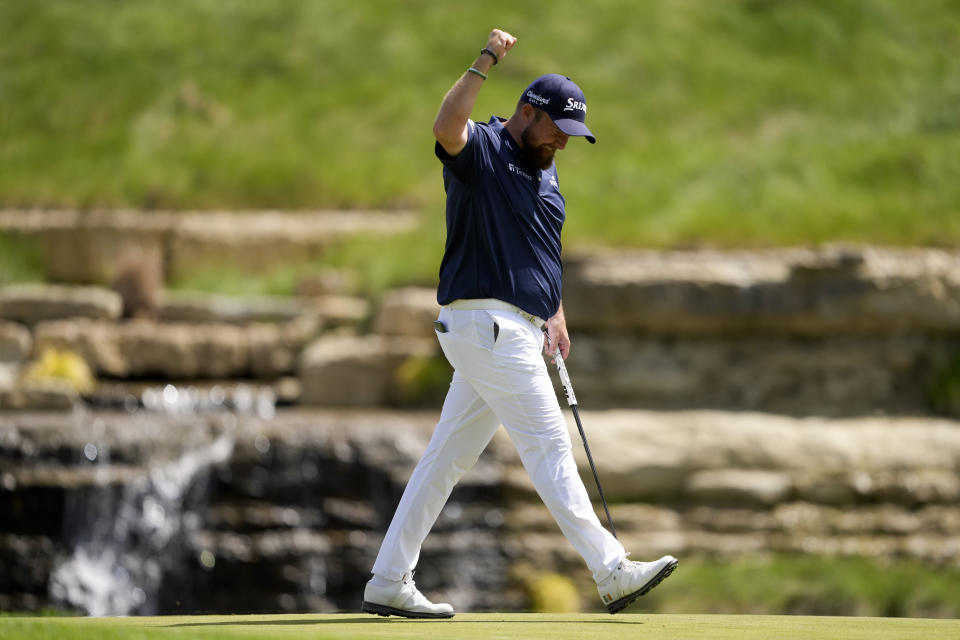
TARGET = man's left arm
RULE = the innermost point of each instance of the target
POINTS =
(557, 336)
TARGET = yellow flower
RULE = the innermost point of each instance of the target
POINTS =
(61, 365)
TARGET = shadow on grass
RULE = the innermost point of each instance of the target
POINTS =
(393, 620)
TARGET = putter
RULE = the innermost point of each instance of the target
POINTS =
(572, 401)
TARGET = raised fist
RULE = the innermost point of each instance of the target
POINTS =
(500, 42)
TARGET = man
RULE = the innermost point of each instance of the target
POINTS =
(500, 276)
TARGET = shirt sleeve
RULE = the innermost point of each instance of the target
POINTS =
(466, 164)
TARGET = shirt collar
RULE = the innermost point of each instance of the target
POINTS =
(496, 123)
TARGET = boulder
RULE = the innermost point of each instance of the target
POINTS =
(86, 246)
(49, 396)
(913, 487)
(408, 311)
(8, 375)
(835, 331)
(760, 458)
(738, 487)
(829, 375)
(33, 303)
(786, 291)
(329, 282)
(275, 347)
(192, 306)
(138, 278)
(142, 348)
(179, 351)
(341, 311)
(16, 342)
(358, 371)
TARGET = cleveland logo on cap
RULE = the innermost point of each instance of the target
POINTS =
(537, 98)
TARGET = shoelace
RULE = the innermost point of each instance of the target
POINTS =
(418, 599)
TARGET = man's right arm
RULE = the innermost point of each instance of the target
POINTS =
(450, 127)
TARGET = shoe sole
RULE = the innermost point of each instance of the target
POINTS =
(383, 610)
(620, 604)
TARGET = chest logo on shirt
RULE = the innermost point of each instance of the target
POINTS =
(515, 169)
(553, 182)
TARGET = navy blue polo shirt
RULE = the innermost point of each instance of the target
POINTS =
(503, 225)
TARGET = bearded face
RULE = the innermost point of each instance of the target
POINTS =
(538, 141)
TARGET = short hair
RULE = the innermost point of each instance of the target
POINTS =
(539, 112)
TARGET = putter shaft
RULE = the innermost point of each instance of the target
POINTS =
(572, 401)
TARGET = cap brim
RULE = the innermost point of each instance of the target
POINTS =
(575, 128)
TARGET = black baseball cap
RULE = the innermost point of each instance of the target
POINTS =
(563, 101)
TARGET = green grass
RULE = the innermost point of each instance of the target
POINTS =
(737, 123)
(375, 261)
(891, 599)
(482, 626)
(21, 259)
(799, 584)
(810, 585)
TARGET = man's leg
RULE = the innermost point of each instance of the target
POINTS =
(531, 415)
(506, 367)
(465, 428)
(515, 384)
(523, 398)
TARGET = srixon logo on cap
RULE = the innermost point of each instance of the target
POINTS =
(575, 104)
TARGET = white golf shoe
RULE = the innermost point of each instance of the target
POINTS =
(630, 580)
(402, 598)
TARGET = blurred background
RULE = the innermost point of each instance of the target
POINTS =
(220, 229)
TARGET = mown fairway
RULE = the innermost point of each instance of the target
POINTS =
(484, 626)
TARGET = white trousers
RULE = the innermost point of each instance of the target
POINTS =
(496, 381)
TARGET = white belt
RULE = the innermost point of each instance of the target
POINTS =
(485, 304)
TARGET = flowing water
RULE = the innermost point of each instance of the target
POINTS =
(127, 530)
(123, 535)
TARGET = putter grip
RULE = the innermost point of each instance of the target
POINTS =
(565, 379)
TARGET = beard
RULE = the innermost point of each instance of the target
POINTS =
(538, 156)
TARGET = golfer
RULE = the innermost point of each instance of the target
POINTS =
(499, 287)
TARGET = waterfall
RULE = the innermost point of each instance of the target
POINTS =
(127, 533)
